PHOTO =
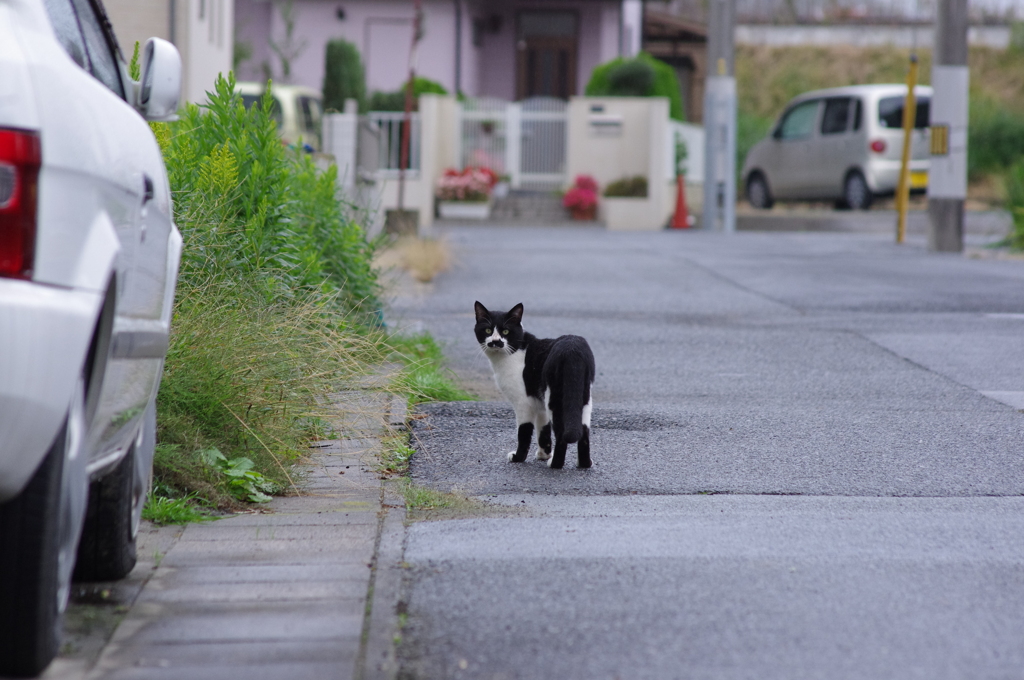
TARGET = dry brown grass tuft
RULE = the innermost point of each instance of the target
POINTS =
(423, 258)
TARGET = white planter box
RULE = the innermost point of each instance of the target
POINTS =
(628, 214)
(464, 210)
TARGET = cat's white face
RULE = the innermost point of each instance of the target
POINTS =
(499, 332)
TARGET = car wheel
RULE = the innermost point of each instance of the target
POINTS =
(107, 549)
(38, 538)
(856, 193)
(758, 194)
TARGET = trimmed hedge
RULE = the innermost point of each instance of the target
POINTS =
(643, 76)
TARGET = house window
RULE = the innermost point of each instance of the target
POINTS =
(546, 54)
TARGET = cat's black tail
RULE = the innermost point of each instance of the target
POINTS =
(573, 375)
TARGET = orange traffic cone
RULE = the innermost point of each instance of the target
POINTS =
(681, 218)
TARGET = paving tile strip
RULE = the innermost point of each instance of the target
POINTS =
(307, 590)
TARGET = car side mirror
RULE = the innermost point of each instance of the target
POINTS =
(159, 89)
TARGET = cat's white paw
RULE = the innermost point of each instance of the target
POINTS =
(511, 456)
(543, 455)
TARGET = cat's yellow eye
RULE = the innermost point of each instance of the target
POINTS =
(505, 332)
(487, 331)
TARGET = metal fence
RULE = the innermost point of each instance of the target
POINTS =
(527, 141)
(544, 125)
(380, 143)
(483, 133)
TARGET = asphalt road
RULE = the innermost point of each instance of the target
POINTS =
(809, 463)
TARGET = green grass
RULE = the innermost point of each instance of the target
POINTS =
(163, 510)
(420, 498)
(424, 377)
(395, 454)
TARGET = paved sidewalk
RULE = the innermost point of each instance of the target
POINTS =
(280, 594)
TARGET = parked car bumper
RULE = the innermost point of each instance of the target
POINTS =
(883, 175)
(44, 336)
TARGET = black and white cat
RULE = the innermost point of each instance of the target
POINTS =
(548, 382)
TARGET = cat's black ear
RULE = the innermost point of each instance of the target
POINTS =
(516, 313)
(481, 312)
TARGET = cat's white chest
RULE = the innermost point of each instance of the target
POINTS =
(508, 374)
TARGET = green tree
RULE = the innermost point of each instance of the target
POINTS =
(344, 76)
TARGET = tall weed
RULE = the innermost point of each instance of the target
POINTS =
(1015, 203)
(249, 206)
(274, 294)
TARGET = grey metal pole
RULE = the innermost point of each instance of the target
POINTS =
(720, 120)
(947, 181)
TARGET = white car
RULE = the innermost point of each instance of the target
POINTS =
(843, 144)
(88, 263)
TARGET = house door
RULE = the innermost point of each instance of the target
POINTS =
(546, 55)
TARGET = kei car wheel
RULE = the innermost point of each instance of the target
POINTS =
(39, 533)
(758, 193)
(856, 193)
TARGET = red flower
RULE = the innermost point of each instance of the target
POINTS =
(579, 198)
(586, 182)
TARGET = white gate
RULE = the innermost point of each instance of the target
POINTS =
(525, 140)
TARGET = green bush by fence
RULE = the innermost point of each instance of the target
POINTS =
(395, 101)
(643, 76)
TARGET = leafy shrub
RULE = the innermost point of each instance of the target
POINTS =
(995, 137)
(1015, 203)
(632, 78)
(626, 77)
(635, 187)
(344, 76)
(395, 101)
(247, 206)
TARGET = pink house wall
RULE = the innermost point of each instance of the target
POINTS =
(382, 31)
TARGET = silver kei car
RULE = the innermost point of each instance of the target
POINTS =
(842, 144)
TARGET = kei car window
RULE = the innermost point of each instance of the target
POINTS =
(65, 25)
(799, 121)
(857, 114)
(836, 116)
(890, 112)
(101, 53)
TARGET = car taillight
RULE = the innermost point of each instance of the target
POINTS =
(878, 146)
(20, 158)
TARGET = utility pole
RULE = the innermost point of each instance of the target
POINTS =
(720, 120)
(947, 181)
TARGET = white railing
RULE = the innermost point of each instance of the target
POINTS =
(483, 134)
(544, 138)
(525, 140)
(385, 128)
